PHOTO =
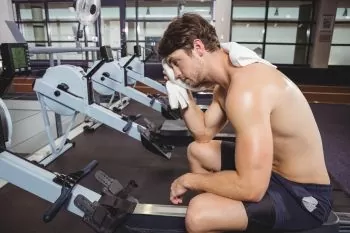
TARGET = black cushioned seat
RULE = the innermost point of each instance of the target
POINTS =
(167, 224)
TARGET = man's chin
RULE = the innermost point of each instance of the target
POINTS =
(203, 86)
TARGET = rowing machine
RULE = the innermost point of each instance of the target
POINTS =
(68, 90)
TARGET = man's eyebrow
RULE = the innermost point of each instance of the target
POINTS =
(170, 60)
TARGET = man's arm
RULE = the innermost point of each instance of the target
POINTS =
(204, 125)
(249, 112)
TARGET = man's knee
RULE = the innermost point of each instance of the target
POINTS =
(195, 215)
(204, 156)
(193, 150)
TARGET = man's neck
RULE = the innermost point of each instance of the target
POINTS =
(221, 70)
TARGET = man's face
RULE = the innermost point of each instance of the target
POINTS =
(187, 67)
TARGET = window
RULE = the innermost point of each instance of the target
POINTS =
(58, 29)
(154, 12)
(63, 31)
(110, 26)
(257, 48)
(340, 48)
(32, 11)
(34, 31)
(280, 28)
(248, 10)
(146, 24)
(203, 8)
(288, 32)
(248, 32)
(61, 11)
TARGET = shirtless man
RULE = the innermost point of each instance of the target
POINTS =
(274, 175)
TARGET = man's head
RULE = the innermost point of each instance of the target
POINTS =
(184, 45)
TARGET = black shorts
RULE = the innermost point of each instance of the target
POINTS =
(287, 205)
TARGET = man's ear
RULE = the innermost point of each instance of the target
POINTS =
(198, 47)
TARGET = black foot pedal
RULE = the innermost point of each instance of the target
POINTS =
(111, 185)
(109, 213)
(68, 182)
(114, 187)
(150, 140)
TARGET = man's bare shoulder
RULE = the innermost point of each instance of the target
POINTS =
(253, 87)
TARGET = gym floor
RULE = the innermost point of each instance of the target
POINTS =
(123, 158)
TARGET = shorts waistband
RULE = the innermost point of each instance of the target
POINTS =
(310, 186)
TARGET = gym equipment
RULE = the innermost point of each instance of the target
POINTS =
(113, 77)
(60, 189)
(67, 90)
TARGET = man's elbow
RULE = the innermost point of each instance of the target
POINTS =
(256, 193)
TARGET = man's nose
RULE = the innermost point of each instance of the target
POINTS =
(177, 73)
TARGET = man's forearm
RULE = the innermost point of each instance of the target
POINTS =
(225, 183)
(193, 117)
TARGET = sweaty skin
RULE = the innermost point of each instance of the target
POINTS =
(275, 131)
(297, 145)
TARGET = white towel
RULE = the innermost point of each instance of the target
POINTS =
(168, 71)
(241, 55)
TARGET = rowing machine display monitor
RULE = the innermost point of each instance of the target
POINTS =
(15, 59)
(15, 62)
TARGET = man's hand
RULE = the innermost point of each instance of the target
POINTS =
(177, 190)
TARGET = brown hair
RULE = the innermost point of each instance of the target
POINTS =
(182, 31)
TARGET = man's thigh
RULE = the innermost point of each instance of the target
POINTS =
(209, 213)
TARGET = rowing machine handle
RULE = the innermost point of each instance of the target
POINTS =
(127, 126)
(130, 120)
(55, 208)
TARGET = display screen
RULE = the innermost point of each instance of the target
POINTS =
(19, 57)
